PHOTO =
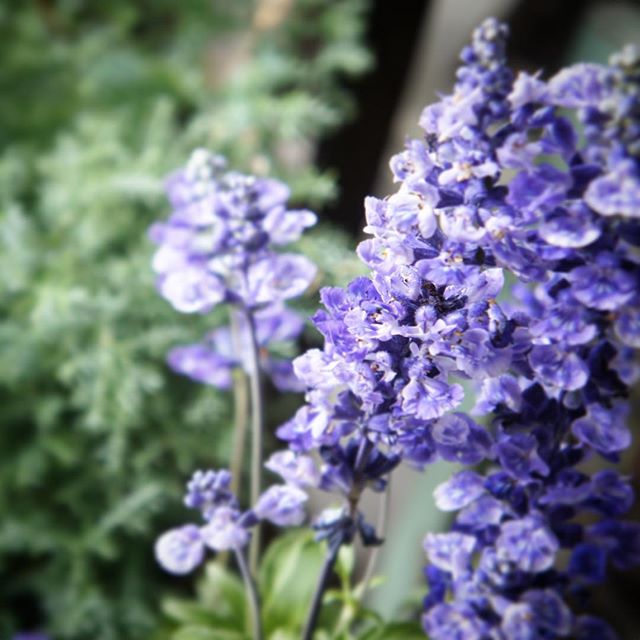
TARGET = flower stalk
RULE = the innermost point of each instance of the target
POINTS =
(257, 427)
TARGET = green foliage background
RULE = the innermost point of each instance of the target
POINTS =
(99, 102)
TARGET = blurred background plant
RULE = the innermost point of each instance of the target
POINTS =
(101, 100)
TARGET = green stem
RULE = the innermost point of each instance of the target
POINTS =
(257, 425)
(240, 410)
(252, 595)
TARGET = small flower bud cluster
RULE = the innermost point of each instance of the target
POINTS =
(226, 527)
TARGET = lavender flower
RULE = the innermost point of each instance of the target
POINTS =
(559, 399)
(282, 505)
(217, 245)
(180, 550)
(477, 196)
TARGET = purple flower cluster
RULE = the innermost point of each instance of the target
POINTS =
(540, 179)
(226, 527)
(385, 386)
(218, 246)
(524, 187)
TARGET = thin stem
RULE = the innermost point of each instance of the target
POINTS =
(252, 595)
(323, 578)
(257, 419)
(240, 419)
(381, 527)
(240, 409)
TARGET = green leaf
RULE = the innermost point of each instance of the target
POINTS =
(288, 575)
(394, 631)
(223, 592)
(194, 632)
(345, 563)
(188, 612)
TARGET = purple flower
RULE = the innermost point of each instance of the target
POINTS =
(603, 285)
(224, 532)
(429, 398)
(296, 469)
(190, 290)
(461, 489)
(566, 371)
(604, 429)
(535, 178)
(454, 622)
(459, 439)
(180, 550)
(572, 227)
(285, 226)
(518, 456)
(551, 614)
(208, 490)
(450, 552)
(283, 505)
(529, 543)
(627, 326)
(617, 193)
(202, 364)
(518, 622)
(276, 278)
(581, 85)
(588, 563)
(527, 89)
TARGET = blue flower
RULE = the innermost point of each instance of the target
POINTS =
(461, 489)
(180, 550)
(224, 531)
(604, 429)
(282, 505)
(529, 543)
(454, 622)
(555, 368)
